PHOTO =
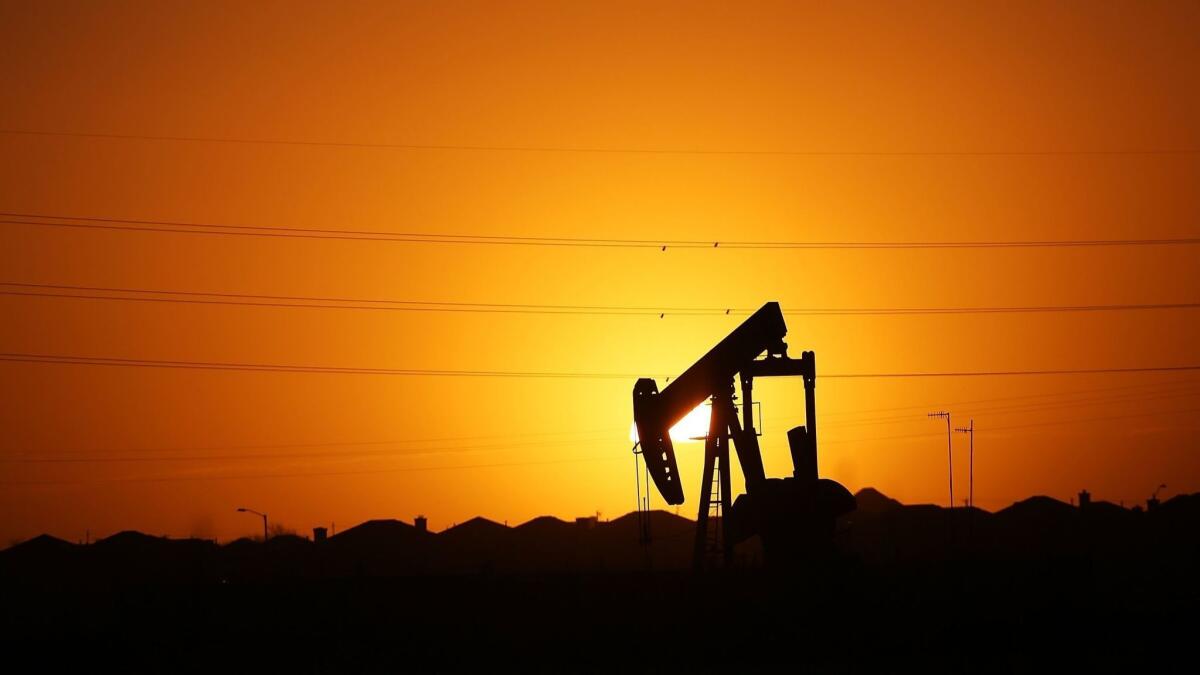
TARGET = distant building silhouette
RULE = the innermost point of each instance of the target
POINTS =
(421, 524)
(587, 522)
(1085, 499)
(320, 534)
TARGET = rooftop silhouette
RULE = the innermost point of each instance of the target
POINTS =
(881, 530)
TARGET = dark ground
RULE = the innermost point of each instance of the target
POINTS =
(1040, 587)
(958, 616)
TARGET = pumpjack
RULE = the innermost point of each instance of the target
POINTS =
(794, 517)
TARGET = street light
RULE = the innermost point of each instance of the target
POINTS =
(264, 517)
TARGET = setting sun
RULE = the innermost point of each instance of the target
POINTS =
(692, 427)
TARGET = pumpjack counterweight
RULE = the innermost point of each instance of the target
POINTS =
(793, 516)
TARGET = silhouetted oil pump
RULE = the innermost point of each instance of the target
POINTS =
(793, 516)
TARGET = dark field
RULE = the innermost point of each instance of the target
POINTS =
(1073, 595)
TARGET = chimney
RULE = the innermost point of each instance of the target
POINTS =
(421, 523)
(319, 534)
(1085, 499)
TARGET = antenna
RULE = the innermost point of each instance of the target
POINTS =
(970, 431)
(949, 450)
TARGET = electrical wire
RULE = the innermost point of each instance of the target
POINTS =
(628, 150)
(178, 227)
(321, 474)
(1006, 427)
(20, 357)
(326, 302)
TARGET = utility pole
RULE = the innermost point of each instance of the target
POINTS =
(970, 431)
(949, 450)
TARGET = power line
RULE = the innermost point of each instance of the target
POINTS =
(20, 357)
(1097, 401)
(1007, 427)
(178, 227)
(1176, 388)
(1073, 392)
(345, 444)
(1003, 373)
(278, 368)
(238, 457)
(463, 449)
(313, 474)
(98, 457)
(531, 463)
(167, 454)
(566, 149)
(1086, 420)
(318, 302)
(375, 305)
(352, 235)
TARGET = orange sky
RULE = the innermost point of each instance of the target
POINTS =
(872, 78)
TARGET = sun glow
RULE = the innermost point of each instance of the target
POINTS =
(692, 427)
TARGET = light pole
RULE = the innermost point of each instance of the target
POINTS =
(970, 431)
(242, 509)
(949, 451)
